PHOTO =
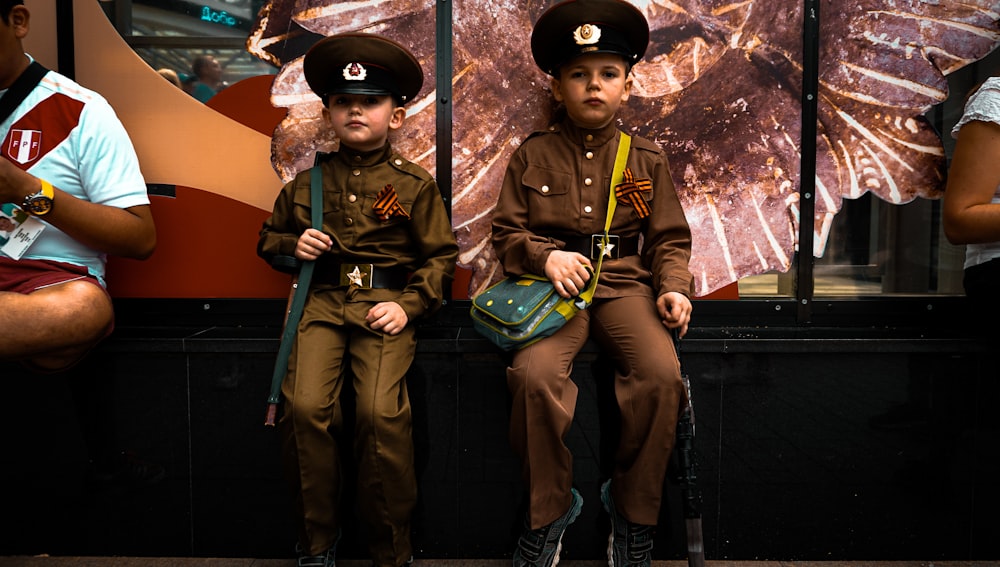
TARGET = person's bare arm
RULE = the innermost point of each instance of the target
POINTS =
(120, 232)
(969, 216)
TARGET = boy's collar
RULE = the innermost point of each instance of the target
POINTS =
(588, 136)
(352, 156)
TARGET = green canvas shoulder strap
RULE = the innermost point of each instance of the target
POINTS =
(298, 299)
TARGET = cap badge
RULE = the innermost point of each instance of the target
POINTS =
(355, 72)
(587, 34)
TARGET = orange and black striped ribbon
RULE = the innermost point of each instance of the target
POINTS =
(387, 204)
(630, 190)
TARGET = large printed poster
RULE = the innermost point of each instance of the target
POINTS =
(720, 89)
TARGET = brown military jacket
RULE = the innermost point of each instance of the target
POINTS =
(422, 244)
(557, 182)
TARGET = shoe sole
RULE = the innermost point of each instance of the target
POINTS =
(608, 505)
(574, 511)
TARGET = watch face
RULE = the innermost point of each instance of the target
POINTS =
(39, 205)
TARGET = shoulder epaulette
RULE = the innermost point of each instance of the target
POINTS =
(644, 144)
(553, 129)
(406, 166)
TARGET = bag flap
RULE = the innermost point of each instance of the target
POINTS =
(513, 300)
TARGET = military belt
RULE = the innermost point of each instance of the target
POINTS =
(590, 245)
(364, 276)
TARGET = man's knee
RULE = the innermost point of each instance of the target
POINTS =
(87, 306)
(72, 318)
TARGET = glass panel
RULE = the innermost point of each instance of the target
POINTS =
(873, 247)
(236, 64)
(769, 284)
(177, 18)
(171, 34)
(877, 248)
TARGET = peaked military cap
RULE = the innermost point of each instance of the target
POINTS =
(577, 27)
(362, 63)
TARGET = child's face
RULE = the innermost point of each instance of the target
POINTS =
(362, 122)
(593, 88)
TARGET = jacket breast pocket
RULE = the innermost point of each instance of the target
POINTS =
(546, 182)
(303, 204)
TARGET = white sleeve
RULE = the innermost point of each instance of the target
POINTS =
(109, 167)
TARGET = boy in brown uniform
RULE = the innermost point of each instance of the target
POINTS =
(383, 258)
(554, 198)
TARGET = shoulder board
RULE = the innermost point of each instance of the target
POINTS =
(406, 166)
(644, 144)
(553, 129)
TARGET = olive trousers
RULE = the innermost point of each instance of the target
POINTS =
(332, 327)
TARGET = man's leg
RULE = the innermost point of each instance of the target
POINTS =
(53, 327)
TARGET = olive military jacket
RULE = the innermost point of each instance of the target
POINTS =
(421, 243)
(557, 183)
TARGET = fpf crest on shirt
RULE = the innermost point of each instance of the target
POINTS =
(24, 145)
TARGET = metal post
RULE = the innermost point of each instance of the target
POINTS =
(807, 189)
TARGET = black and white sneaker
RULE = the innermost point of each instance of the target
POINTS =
(541, 547)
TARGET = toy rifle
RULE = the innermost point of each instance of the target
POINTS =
(687, 476)
(300, 289)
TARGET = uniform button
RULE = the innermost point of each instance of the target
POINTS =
(588, 182)
(545, 188)
(357, 158)
(398, 162)
(356, 172)
(352, 198)
(590, 137)
(552, 128)
(348, 221)
(590, 155)
(588, 209)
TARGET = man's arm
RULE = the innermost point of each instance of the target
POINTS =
(120, 232)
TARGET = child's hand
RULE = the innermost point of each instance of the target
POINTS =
(388, 317)
(675, 311)
(312, 244)
(568, 272)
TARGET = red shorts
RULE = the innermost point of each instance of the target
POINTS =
(27, 276)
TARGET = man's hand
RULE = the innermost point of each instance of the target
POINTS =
(312, 244)
(129, 232)
(568, 271)
(16, 184)
(675, 311)
(387, 317)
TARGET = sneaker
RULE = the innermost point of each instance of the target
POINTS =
(325, 559)
(629, 545)
(541, 547)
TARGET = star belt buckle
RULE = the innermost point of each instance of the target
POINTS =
(356, 275)
(610, 251)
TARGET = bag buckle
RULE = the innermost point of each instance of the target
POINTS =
(611, 251)
(356, 275)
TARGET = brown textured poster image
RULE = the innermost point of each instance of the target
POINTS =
(719, 90)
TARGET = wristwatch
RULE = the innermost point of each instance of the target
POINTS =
(39, 203)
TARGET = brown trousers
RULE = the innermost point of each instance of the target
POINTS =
(649, 390)
(331, 327)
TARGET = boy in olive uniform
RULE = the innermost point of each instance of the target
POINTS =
(553, 200)
(383, 259)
